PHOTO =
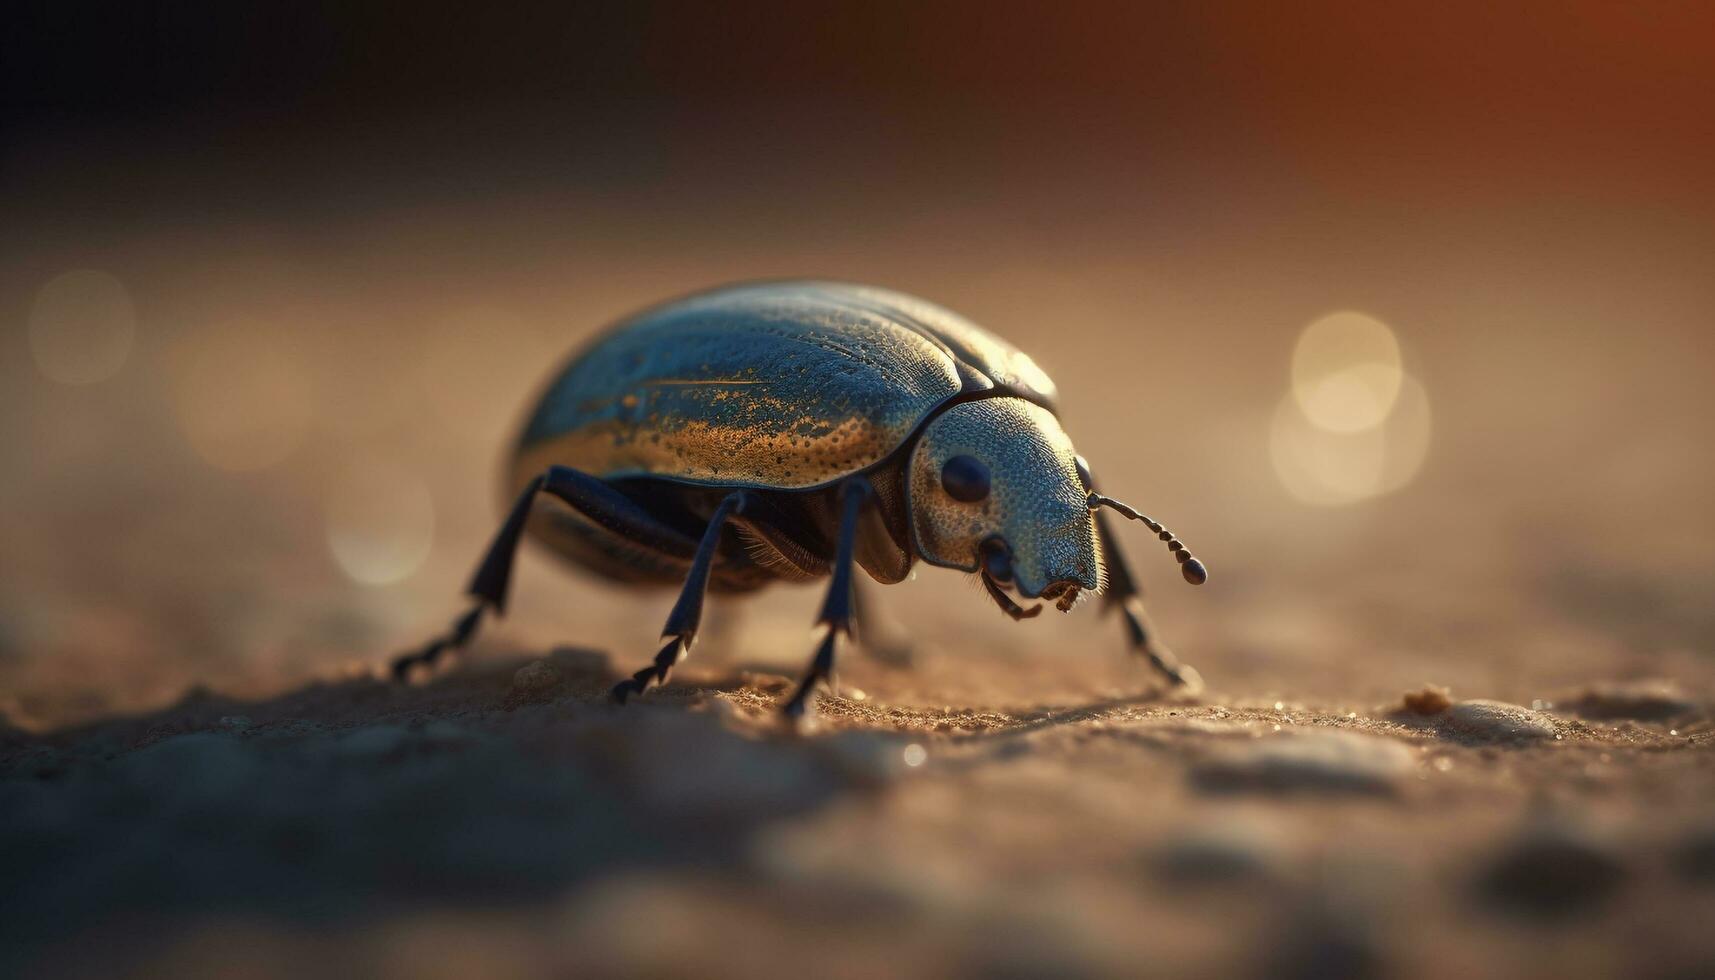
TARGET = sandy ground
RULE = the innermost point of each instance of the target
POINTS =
(505, 819)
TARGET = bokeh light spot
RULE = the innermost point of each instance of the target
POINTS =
(915, 755)
(82, 327)
(380, 522)
(242, 400)
(1331, 468)
(1346, 372)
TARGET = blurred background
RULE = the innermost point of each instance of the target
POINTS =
(1400, 315)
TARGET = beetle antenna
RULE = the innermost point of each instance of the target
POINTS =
(1194, 571)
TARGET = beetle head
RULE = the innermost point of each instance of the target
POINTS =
(994, 488)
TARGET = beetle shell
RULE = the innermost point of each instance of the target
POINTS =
(787, 385)
(795, 430)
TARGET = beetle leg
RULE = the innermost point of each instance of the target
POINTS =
(493, 577)
(837, 607)
(1123, 594)
(687, 614)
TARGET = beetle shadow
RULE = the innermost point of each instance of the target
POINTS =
(1044, 717)
(997, 722)
(360, 797)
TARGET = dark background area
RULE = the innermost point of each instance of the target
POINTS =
(1454, 101)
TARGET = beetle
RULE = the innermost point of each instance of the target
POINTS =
(790, 430)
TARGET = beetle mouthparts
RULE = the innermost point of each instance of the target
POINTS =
(1063, 594)
(1004, 601)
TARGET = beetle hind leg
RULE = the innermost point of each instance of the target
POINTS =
(839, 606)
(492, 580)
(430, 654)
(1124, 595)
(488, 585)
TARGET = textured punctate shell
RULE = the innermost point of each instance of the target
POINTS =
(785, 385)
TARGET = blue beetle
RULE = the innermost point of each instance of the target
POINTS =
(789, 430)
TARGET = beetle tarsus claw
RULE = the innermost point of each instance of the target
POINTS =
(454, 639)
(800, 711)
(1186, 679)
(404, 663)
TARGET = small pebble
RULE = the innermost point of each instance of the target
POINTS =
(578, 663)
(535, 676)
(1325, 761)
(1432, 700)
(1224, 851)
(721, 708)
(871, 758)
(766, 683)
(1552, 870)
(372, 741)
(1633, 700)
(1324, 940)
(1695, 856)
(1497, 721)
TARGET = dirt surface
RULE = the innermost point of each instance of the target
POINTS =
(505, 819)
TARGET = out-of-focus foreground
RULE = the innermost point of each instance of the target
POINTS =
(1402, 321)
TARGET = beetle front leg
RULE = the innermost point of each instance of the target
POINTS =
(837, 607)
(1124, 595)
(687, 614)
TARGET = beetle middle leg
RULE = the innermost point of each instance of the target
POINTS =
(492, 580)
(837, 608)
(687, 614)
(1124, 595)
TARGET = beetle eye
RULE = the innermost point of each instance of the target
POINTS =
(965, 479)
